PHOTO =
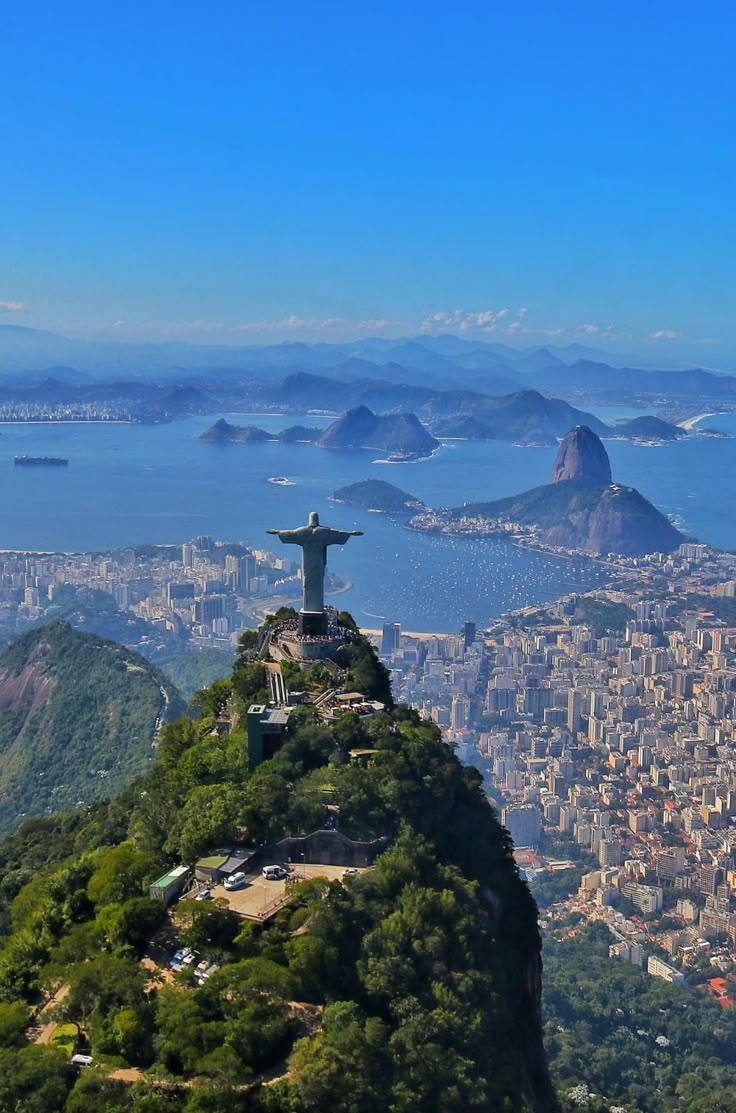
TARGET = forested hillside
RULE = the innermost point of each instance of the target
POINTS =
(78, 717)
(632, 1040)
(412, 986)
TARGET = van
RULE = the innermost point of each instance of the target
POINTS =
(82, 1060)
(274, 873)
(235, 881)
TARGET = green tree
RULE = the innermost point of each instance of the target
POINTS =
(100, 986)
(14, 1019)
(120, 874)
(345, 1067)
(207, 819)
(131, 924)
(33, 1080)
(94, 1093)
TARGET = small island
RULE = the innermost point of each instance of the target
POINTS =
(378, 496)
(648, 428)
(718, 434)
(402, 435)
(224, 433)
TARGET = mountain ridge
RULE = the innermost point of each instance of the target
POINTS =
(74, 706)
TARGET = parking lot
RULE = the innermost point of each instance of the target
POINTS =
(260, 898)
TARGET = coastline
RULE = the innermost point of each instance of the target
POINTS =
(68, 421)
(259, 608)
(690, 422)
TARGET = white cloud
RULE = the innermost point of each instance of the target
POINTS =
(375, 325)
(521, 312)
(589, 330)
(706, 340)
(664, 334)
(12, 306)
(287, 324)
(463, 320)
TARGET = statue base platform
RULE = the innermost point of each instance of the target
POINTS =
(313, 636)
(312, 624)
(298, 647)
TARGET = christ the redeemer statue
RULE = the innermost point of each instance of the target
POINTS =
(314, 540)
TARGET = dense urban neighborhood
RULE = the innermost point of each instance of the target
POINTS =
(209, 591)
(604, 726)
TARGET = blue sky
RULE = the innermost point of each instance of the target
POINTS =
(242, 172)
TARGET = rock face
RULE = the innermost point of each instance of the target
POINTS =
(361, 428)
(582, 456)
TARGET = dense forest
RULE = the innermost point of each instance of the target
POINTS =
(412, 986)
(617, 1037)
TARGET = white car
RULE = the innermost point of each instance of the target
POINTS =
(204, 894)
(274, 873)
(235, 881)
(350, 872)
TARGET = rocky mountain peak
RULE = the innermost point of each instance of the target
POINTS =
(582, 456)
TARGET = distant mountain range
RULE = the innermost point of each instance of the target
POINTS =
(445, 362)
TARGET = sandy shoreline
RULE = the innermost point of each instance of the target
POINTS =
(690, 422)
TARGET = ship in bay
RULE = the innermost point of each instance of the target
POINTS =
(41, 462)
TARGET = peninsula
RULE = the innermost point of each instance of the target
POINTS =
(579, 510)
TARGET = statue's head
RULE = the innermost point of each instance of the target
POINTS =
(314, 518)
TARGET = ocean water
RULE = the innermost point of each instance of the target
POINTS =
(129, 484)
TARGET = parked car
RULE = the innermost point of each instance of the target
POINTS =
(209, 970)
(177, 960)
(204, 894)
(235, 881)
(274, 873)
(350, 872)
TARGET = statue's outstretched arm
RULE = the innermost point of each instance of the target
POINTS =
(340, 537)
(293, 536)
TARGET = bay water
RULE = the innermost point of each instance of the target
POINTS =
(136, 484)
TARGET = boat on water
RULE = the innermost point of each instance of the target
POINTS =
(41, 461)
(281, 481)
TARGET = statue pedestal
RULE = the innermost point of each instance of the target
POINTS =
(312, 624)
